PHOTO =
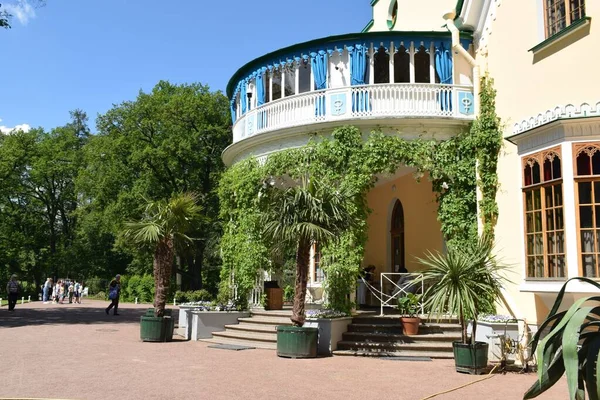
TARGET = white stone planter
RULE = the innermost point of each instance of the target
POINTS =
(204, 323)
(330, 332)
(184, 326)
(490, 331)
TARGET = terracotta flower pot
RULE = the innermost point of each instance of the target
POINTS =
(410, 325)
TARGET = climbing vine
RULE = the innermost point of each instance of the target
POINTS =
(346, 160)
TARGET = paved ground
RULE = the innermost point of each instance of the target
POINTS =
(101, 357)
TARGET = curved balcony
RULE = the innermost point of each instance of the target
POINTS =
(377, 101)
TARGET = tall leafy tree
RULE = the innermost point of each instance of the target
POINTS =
(164, 142)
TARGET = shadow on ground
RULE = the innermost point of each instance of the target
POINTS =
(69, 315)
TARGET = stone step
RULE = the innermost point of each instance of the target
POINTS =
(395, 319)
(242, 342)
(247, 327)
(266, 321)
(391, 346)
(241, 335)
(275, 313)
(375, 328)
(399, 338)
(402, 353)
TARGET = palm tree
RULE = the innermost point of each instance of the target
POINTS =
(163, 228)
(303, 214)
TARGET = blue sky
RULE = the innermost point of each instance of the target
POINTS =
(91, 54)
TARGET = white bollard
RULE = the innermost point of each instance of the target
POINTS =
(174, 301)
(136, 300)
(29, 299)
(22, 300)
(0, 301)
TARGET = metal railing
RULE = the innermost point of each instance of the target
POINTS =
(398, 291)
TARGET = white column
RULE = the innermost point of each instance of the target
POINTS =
(371, 65)
(432, 63)
(270, 86)
(282, 83)
(569, 211)
(392, 52)
(411, 53)
(297, 77)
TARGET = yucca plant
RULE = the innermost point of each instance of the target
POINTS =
(569, 341)
(163, 228)
(462, 281)
(300, 215)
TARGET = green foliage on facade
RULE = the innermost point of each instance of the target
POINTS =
(350, 161)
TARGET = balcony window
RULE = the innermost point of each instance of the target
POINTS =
(382, 66)
(402, 66)
(559, 14)
(544, 223)
(422, 62)
(587, 182)
(304, 76)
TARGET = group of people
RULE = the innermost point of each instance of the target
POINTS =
(63, 289)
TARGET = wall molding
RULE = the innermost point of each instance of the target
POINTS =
(559, 112)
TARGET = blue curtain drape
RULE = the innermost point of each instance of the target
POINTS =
(260, 96)
(244, 97)
(358, 73)
(319, 62)
(443, 66)
(232, 107)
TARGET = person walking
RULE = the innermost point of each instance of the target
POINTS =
(114, 291)
(61, 292)
(71, 292)
(12, 288)
(47, 290)
(77, 292)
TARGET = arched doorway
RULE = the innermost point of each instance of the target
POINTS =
(397, 234)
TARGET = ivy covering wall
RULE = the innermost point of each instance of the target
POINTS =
(347, 159)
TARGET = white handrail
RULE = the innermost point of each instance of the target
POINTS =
(353, 102)
(401, 290)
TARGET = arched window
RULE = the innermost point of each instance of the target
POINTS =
(587, 182)
(402, 65)
(544, 224)
(422, 61)
(382, 66)
(397, 233)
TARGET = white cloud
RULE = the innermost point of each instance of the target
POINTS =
(22, 127)
(21, 10)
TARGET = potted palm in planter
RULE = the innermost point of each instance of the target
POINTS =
(460, 283)
(163, 228)
(301, 215)
(409, 308)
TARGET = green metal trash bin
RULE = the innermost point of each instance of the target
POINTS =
(297, 342)
(152, 329)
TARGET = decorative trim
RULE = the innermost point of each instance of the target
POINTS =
(368, 26)
(575, 26)
(559, 112)
(373, 2)
(458, 8)
(482, 37)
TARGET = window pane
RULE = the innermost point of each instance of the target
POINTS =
(596, 163)
(585, 217)
(560, 266)
(539, 267)
(550, 242)
(529, 218)
(539, 244)
(560, 242)
(559, 218)
(528, 201)
(531, 267)
(583, 164)
(556, 171)
(547, 170)
(549, 197)
(551, 260)
(587, 241)
(537, 219)
(585, 192)
(536, 173)
(530, 245)
(537, 199)
(527, 174)
(549, 220)
(558, 195)
(597, 191)
(589, 265)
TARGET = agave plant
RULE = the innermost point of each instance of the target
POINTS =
(569, 341)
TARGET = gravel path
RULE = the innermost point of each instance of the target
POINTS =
(102, 357)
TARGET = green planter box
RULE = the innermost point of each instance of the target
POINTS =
(152, 329)
(297, 342)
(472, 359)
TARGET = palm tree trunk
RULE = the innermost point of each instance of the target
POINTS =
(302, 260)
(163, 262)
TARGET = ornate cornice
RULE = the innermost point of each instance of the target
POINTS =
(558, 112)
(482, 36)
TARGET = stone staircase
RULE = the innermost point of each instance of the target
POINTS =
(375, 336)
(259, 330)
